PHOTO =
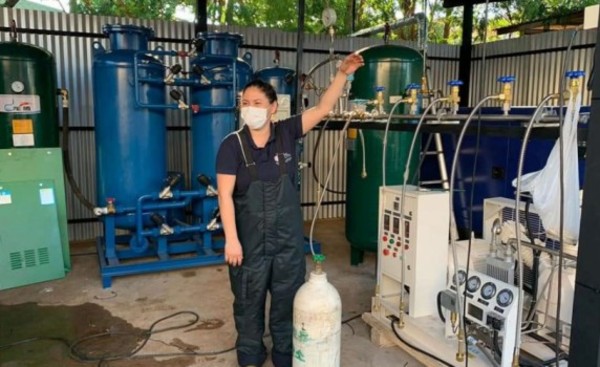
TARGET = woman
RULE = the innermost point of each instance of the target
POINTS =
(260, 212)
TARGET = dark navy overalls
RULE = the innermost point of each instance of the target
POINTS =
(269, 225)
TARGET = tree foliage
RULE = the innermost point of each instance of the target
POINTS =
(445, 25)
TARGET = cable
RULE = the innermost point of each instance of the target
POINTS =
(351, 318)
(439, 307)
(517, 223)
(314, 160)
(79, 356)
(417, 348)
(459, 291)
(405, 181)
(67, 156)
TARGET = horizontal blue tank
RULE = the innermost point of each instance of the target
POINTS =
(130, 140)
(223, 75)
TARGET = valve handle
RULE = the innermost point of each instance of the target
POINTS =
(176, 69)
(319, 258)
(455, 83)
(574, 74)
(379, 88)
(175, 94)
(157, 219)
(507, 79)
(413, 86)
(203, 180)
(174, 179)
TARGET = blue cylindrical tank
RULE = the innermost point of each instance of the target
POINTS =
(223, 77)
(130, 140)
(285, 83)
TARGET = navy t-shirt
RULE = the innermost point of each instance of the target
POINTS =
(230, 160)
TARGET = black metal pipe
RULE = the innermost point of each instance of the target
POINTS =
(201, 16)
(464, 68)
(300, 51)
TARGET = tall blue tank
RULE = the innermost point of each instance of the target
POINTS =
(223, 75)
(130, 140)
(285, 83)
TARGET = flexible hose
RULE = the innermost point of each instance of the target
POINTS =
(518, 230)
(67, 156)
(404, 183)
(314, 160)
(320, 201)
(459, 292)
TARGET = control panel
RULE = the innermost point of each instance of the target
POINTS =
(420, 234)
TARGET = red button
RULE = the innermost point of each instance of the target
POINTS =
(386, 252)
(384, 238)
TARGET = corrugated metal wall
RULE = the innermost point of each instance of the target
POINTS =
(536, 62)
(70, 38)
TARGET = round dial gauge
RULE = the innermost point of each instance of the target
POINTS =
(488, 290)
(328, 17)
(462, 276)
(504, 298)
(473, 284)
(17, 86)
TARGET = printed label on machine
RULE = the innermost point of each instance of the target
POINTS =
(284, 109)
(23, 126)
(16, 103)
(5, 197)
(46, 196)
(23, 140)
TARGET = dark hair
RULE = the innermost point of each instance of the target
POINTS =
(264, 87)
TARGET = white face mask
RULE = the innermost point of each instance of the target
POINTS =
(254, 117)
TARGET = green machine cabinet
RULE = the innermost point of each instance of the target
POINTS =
(34, 245)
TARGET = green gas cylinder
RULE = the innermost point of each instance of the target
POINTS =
(28, 97)
(388, 70)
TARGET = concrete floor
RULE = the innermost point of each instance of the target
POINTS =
(78, 306)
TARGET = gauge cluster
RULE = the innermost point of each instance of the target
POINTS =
(484, 295)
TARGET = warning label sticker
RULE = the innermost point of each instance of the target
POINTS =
(5, 197)
(16, 103)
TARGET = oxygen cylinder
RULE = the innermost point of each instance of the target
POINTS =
(317, 323)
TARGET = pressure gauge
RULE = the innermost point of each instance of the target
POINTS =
(488, 290)
(504, 298)
(17, 86)
(462, 276)
(328, 17)
(473, 283)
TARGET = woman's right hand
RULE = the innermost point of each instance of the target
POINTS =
(233, 253)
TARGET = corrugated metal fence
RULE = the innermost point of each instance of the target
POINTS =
(70, 37)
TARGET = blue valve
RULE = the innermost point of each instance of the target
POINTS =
(574, 74)
(413, 86)
(507, 79)
(350, 77)
(379, 88)
(455, 83)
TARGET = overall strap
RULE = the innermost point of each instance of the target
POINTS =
(280, 157)
(243, 137)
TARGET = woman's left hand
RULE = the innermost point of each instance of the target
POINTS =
(351, 63)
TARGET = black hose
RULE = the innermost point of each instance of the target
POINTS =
(439, 307)
(417, 348)
(314, 159)
(534, 270)
(67, 157)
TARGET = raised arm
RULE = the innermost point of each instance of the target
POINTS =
(312, 116)
(233, 248)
